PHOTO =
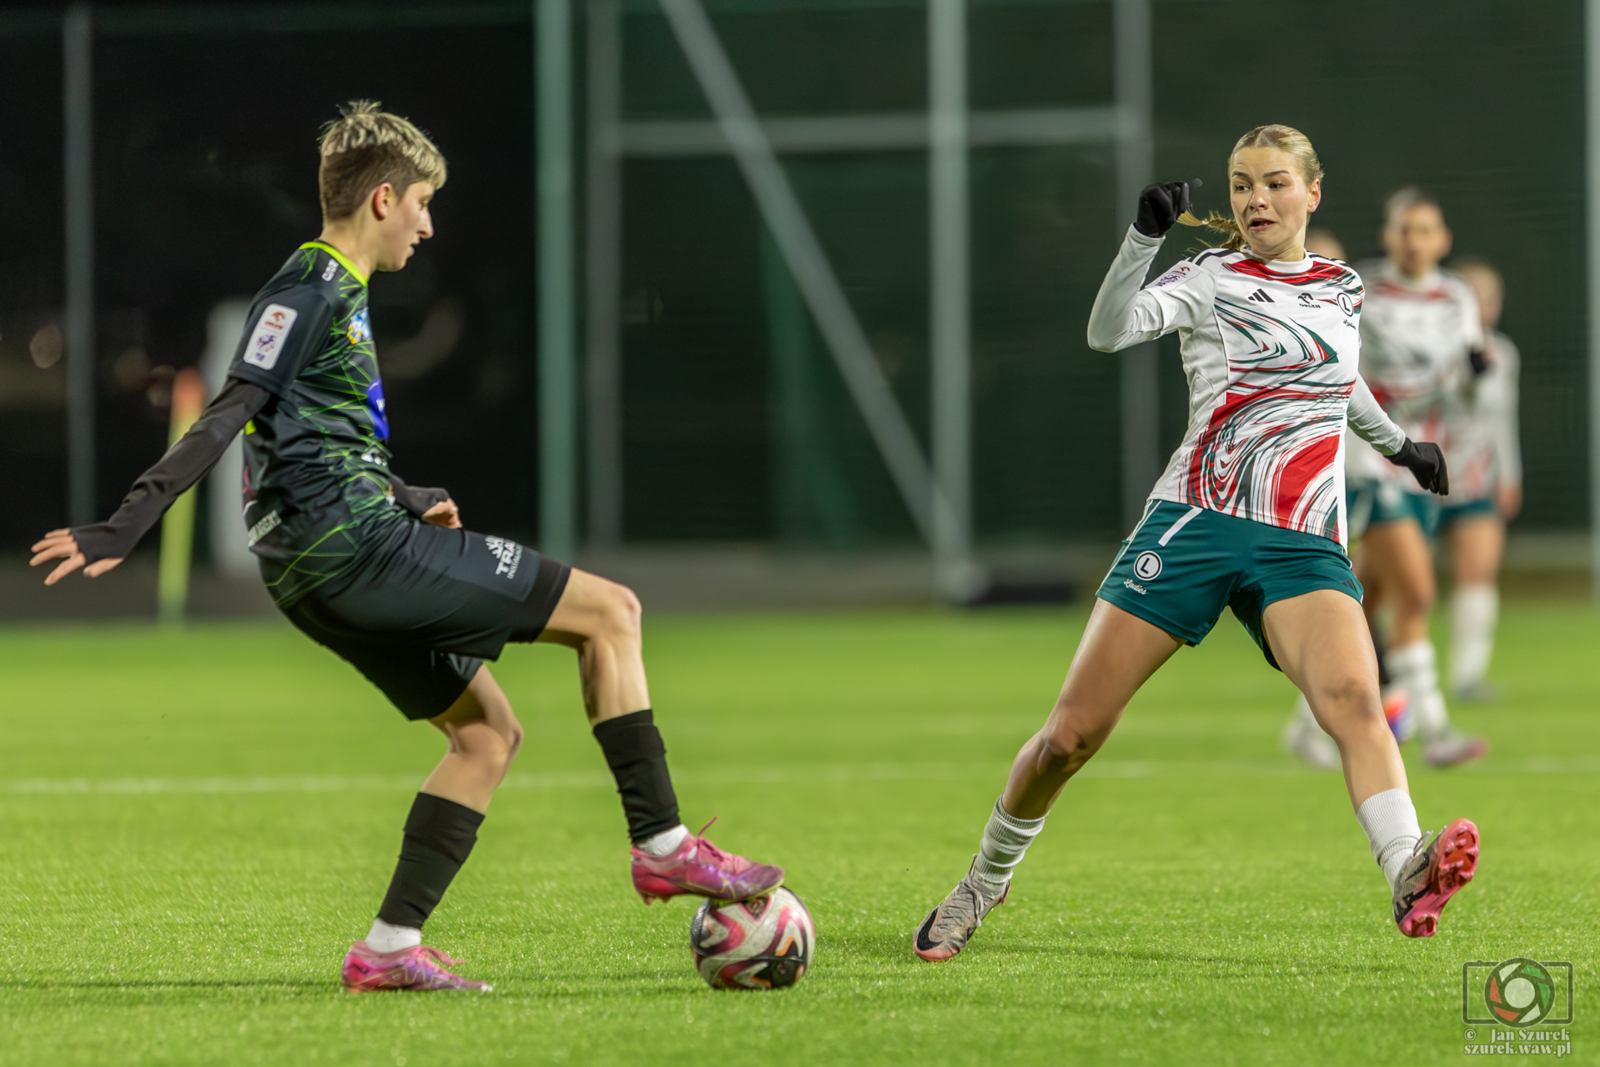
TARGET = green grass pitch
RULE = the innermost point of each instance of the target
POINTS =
(196, 824)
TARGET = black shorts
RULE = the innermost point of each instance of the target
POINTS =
(420, 615)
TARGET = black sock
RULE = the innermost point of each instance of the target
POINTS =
(438, 839)
(638, 760)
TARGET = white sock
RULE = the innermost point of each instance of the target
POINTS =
(1390, 822)
(665, 843)
(1412, 667)
(386, 938)
(1474, 610)
(1005, 840)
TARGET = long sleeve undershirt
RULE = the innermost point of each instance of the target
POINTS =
(184, 464)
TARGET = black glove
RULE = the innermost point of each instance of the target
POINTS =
(1161, 204)
(415, 499)
(1426, 462)
(1479, 360)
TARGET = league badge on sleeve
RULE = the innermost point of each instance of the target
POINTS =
(360, 329)
(266, 341)
(1180, 272)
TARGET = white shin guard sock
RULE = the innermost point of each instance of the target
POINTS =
(665, 843)
(387, 938)
(1390, 822)
(1412, 667)
(1005, 840)
(1474, 610)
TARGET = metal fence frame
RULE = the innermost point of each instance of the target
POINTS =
(937, 491)
(936, 486)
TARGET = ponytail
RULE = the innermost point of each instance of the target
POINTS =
(1233, 237)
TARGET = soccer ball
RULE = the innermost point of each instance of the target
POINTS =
(762, 943)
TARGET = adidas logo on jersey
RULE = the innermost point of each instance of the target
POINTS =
(1260, 296)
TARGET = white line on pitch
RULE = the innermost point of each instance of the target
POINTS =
(799, 773)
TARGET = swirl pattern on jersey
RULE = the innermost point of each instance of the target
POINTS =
(1273, 366)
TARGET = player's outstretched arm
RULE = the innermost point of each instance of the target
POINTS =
(100, 547)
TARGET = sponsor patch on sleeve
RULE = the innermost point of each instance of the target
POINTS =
(1179, 273)
(267, 340)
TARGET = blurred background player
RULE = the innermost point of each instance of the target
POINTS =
(1302, 735)
(1247, 516)
(383, 573)
(1422, 348)
(1481, 445)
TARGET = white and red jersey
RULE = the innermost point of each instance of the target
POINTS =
(1271, 352)
(1480, 440)
(1416, 334)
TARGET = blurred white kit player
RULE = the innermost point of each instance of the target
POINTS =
(1422, 349)
(1481, 436)
(1485, 456)
(1416, 340)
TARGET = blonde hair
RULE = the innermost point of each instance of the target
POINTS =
(1286, 139)
(364, 148)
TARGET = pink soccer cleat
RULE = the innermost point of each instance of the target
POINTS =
(422, 967)
(1436, 871)
(702, 869)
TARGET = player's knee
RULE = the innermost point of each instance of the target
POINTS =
(495, 750)
(511, 734)
(622, 616)
(1348, 701)
(1064, 744)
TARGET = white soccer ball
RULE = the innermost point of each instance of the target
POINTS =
(762, 943)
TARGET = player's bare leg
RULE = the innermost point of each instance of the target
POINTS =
(1118, 652)
(1320, 640)
(483, 737)
(1400, 562)
(1403, 565)
(602, 621)
(1476, 544)
(1303, 735)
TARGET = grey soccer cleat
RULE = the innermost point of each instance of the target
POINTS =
(948, 928)
(1451, 749)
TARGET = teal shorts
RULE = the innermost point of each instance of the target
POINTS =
(1482, 508)
(1182, 565)
(1370, 502)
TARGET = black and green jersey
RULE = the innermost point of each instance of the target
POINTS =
(317, 493)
